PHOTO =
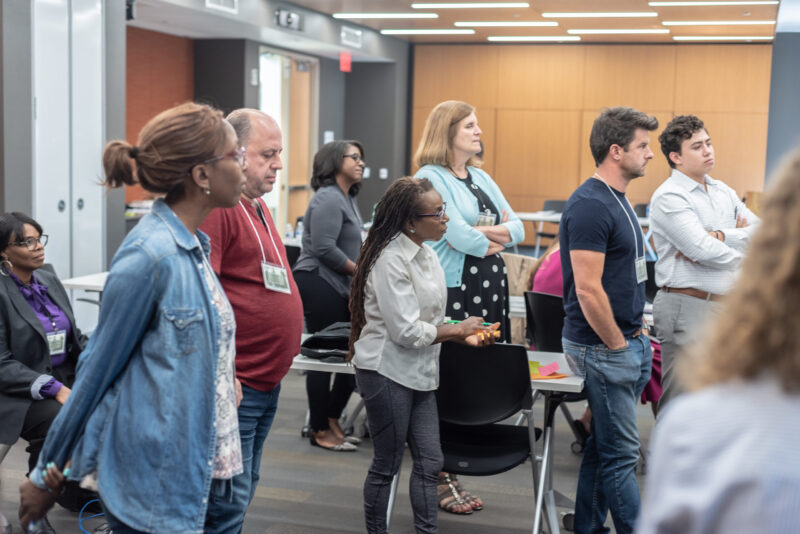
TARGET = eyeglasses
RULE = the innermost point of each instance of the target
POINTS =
(31, 242)
(238, 154)
(440, 214)
(354, 157)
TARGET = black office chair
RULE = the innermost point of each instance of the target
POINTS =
(549, 205)
(292, 254)
(545, 318)
(479, 387)
(650, 287)
(640, 210)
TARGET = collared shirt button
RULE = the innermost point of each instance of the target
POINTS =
(205, 500)
(210, 463)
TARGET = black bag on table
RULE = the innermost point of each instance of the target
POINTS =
(329, 344)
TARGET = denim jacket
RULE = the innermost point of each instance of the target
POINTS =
(462, 209)
(141, 412)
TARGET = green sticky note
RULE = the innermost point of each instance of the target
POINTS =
(534, 365)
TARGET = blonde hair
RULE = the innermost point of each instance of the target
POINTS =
(756, 331)
(436, 145)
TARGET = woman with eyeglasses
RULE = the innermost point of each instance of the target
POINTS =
(39, 342)
(331, 240)
(482, 224)
(398, 306)
(151, 420)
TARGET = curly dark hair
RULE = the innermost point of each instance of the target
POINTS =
(677, 131)
(328, 162)
(13, 225)
(617, 126)
(398, 205)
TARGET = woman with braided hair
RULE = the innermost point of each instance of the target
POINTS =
(397, 305)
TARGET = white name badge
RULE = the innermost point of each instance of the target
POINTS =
(486, 218)
(641, 270)
(275, 278)
(57, 341)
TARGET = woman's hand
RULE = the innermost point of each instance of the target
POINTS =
(477, 334)
(63, 394)
(34, 502)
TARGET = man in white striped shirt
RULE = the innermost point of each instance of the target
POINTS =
(700, 230)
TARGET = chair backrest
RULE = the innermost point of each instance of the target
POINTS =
(554, 205)
(292, 254)
(480, 386)
(650, 287)
(640, 210)
(545, 316)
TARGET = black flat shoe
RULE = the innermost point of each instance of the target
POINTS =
(342, 447)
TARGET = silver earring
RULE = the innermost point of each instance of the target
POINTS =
(5, 267)
(206, 190)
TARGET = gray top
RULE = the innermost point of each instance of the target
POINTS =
(331, 235)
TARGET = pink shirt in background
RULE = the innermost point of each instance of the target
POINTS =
(548, 278)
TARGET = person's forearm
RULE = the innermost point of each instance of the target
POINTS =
(494, 248)
(497, 233)
(597, 310)
(349, 268)
(449, 332)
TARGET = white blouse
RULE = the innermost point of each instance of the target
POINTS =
(404, 302)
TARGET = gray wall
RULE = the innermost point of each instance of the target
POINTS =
(16, 91)
(783, 132)
(331, 98)
(115, 117)
(222, 73)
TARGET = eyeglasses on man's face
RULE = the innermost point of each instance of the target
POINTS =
(438, 214)
(31, 242)
(355, 157)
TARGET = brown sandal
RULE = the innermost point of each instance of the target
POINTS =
(449, 498)
(466, 496)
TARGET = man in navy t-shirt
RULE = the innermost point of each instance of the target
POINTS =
(603, 262)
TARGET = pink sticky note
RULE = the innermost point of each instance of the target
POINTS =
(548, 370)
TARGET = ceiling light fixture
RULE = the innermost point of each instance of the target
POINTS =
(466, 5)
(531, 38)
(721, 38)
(704, 3)
(594, 31)
(385, 16)
(510, 24)
(587, 15)
(716, 22)
(411, 31)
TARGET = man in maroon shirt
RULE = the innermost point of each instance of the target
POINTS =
(249, 257)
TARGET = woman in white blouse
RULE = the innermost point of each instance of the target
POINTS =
(397, 305)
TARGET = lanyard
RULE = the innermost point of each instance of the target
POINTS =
(633, 226)
(269, 233)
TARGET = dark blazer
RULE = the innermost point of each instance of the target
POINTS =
(24, 352)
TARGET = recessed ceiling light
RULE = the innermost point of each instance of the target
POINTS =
(587, 15)
(466, 5)
(510, 24)
(594, 31)
(716, 22)
(385, 16)
(721, 38)
(532, 38)
(704, 3)
(412, 31)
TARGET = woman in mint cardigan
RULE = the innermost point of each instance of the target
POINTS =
(482, 224)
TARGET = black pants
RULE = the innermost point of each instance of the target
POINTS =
(40, 416)
(323, 306)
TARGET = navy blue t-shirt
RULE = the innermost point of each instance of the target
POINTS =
(594, 220)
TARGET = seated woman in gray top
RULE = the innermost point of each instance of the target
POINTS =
(324, 271)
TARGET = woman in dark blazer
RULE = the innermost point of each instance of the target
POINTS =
(39, 342)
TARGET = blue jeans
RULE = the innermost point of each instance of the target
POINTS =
(607, 480)
(227, 503)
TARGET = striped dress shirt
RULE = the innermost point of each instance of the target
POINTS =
(682, 212)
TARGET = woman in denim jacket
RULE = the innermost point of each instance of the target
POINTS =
(151, 420)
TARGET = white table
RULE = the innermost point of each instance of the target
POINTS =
(89, 282)
(545, 493)
(554, 217)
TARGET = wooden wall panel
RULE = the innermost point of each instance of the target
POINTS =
(546, 77)
(640, 76)
(467, 73)
(299, 160)
(732, 78)
(536, 152)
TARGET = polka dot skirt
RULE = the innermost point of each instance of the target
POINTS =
(483, 292)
